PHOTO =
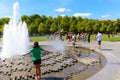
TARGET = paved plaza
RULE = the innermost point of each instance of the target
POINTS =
(111, 51)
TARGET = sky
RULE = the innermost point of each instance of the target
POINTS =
(93, 9)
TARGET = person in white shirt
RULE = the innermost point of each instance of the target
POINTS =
(99, 39)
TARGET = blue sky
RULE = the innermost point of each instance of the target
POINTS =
(95, 9)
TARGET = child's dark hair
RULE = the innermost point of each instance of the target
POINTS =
(36, 44)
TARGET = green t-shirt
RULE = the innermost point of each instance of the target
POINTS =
(36, 53)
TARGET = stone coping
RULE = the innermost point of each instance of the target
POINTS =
(110, 69)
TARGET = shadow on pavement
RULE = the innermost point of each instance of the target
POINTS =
(52, 78)
(107, 49)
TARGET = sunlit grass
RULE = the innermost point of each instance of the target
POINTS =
(39, 38)
(104, 38)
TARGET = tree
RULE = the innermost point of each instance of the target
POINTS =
(110, 28)
(103, 28)
(35, 21)
(116, 26)
(80, 27)
(3, 21)
(89, 26)
(53, 28)
(32, 29)
(41, 28)
(96, 26)
(48, 23)
(79, 19)
(43, 24)
(73, 28)
(73, 20)
(44, 18)
(63, 26)
(65, 23)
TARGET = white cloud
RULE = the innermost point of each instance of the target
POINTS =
(106, 16)
(62, 10)
(8, 16)
(82, 14)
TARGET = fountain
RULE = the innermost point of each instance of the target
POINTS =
(15, 36)
(64, 63)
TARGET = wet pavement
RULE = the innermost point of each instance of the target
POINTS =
(111, 50)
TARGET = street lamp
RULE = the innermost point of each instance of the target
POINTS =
(60, 32)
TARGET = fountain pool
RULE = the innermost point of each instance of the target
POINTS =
(65, 64)
(68, 63)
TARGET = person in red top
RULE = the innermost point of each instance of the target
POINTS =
(36, 57)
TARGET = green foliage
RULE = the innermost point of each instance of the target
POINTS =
(41, 28)
(46, 25)
(72, 28)
(53, 28)
(3, 21)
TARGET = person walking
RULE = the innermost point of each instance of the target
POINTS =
(99, 39)
(36, 57)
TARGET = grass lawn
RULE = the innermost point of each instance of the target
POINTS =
(39, 38)
(104, 38)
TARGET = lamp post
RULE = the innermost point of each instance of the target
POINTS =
(60, 34)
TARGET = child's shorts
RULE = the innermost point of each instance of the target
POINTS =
(37, 61)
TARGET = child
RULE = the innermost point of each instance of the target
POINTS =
(36, 57)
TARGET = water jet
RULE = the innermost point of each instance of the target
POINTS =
(15, 39)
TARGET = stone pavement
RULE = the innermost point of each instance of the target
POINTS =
(111, 50)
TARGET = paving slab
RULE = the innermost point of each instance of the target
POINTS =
(111, 50)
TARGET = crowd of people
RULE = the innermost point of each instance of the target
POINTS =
(79, 37)
(84, 37)
(72, 37)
